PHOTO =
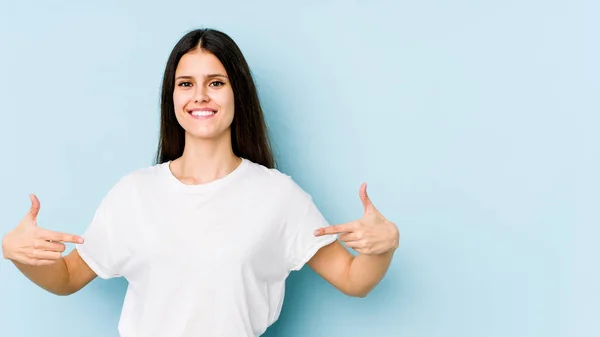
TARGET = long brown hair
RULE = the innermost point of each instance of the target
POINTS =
(249, 137)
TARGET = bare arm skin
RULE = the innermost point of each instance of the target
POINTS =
(37, 253)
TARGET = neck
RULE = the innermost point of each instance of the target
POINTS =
(205, 160)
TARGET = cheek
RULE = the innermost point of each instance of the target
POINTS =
(226, 100)
(180, 99)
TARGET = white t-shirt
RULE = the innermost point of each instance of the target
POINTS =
(206, 260)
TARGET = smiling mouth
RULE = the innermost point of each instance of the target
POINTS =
(202, 113)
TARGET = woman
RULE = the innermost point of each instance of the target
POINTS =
(207, 236)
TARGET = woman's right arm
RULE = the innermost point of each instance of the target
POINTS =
(37, 253)
(63, 277)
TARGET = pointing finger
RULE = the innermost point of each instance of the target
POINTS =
(61, 237)
(344, 228)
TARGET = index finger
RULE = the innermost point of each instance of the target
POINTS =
(61, 237)
(337, 229)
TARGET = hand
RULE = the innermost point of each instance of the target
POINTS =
(372, 234)
(32, 245)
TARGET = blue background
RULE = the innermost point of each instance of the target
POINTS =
(475, 124)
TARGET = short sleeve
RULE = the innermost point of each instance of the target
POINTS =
(102, 249)
(304, 218)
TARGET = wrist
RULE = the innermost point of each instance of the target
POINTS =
(395, 237)
(5, 254)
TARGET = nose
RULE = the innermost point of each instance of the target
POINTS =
(200, 95)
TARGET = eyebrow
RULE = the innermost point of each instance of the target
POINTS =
(206, 76)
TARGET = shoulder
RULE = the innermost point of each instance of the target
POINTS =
(136, 181)
(145, 174)
(269, 176)
(275, 180)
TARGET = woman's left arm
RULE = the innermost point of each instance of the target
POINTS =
(375, 239)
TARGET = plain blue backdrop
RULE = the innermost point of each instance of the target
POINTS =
(475, 124)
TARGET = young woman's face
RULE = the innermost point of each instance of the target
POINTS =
(203, 97)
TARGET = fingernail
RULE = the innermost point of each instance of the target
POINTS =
(80, 240)
(316, 232)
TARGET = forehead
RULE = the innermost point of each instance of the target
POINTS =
(199, 62)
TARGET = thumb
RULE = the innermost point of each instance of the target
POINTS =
(366, 201)
(34, 209)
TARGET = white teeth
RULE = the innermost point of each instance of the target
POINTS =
(203, 113)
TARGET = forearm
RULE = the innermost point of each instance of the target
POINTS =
(366, 271)
(53, 278)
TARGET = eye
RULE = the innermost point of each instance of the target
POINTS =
(185, 84)
(216, 84)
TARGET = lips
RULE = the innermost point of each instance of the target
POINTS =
(202, 112)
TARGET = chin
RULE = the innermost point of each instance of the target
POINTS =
(207, 135)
